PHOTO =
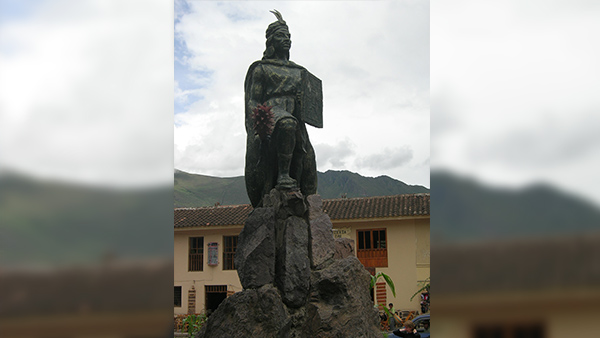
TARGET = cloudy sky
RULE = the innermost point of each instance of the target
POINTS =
(514, 88)
(87, 91)
(373, 60)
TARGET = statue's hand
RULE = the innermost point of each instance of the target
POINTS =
(262, 116)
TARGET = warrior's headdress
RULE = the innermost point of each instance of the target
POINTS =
(273, 28)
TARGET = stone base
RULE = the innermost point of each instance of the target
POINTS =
(298, 281)
(340, 307)
(274, 247)
(250, 313)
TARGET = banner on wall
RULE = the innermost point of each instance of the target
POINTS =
(213, 253)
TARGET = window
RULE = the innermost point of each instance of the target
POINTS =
(196, 256)
(371, 239)
(178, 296)
(372, 247)
(229, 247)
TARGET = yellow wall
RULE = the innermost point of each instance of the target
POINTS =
(407, 247)
(561, 313)
(212, 275)
(408, 255)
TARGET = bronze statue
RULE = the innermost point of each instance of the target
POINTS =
(280, 97)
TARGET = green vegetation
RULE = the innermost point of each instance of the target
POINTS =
(336, 184)
(423, 287)
(191, 190)
(387, 279)
(386, 310)
(48, 224)
(390, 283)
(466, 210)
(193, 323)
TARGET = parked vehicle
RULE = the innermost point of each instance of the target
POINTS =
(422, 325)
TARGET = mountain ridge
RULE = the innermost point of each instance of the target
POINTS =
(195, 190)
(58, 220)
(465, 210)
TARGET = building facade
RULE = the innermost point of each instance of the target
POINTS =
(532, 287)
(390, 233)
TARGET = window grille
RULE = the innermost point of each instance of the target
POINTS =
(229, 247)
(196, 255)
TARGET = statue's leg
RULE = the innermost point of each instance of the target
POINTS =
(297, 165)
(253, 175)
(309, 171)
(285, 143)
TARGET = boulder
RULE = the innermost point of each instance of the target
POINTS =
(286, 203)
(343, 247)
(292, 269)
(298, 281)
(343, 305)
(315, 206)
(255, 255)
(321, 233)
(250, 313)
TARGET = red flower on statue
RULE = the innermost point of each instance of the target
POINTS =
(263, 120)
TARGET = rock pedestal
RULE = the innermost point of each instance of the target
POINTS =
(256, 246)
(298, 281)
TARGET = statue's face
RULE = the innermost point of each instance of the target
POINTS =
(281, 40)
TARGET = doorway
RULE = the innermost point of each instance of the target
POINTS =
(214, 295)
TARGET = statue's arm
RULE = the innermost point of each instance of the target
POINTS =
(256, 88)
(253, 88)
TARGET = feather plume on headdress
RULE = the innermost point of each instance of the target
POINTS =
(278, 16)
(280, 24)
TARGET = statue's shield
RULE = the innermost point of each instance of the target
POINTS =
(311, 100)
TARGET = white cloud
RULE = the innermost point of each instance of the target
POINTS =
(334, 156)
(373, 59)
(86, 93)
(515, 91)
(387, 158)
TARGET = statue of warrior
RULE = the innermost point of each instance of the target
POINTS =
(280, 97)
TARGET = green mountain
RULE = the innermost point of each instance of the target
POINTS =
(55, 223)
(192, 190)
(335, 184)
(464, 210)
(47, 224)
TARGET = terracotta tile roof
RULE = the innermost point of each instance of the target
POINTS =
(378, 207)
(517, 265)
(212, 216)
(342, 208)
